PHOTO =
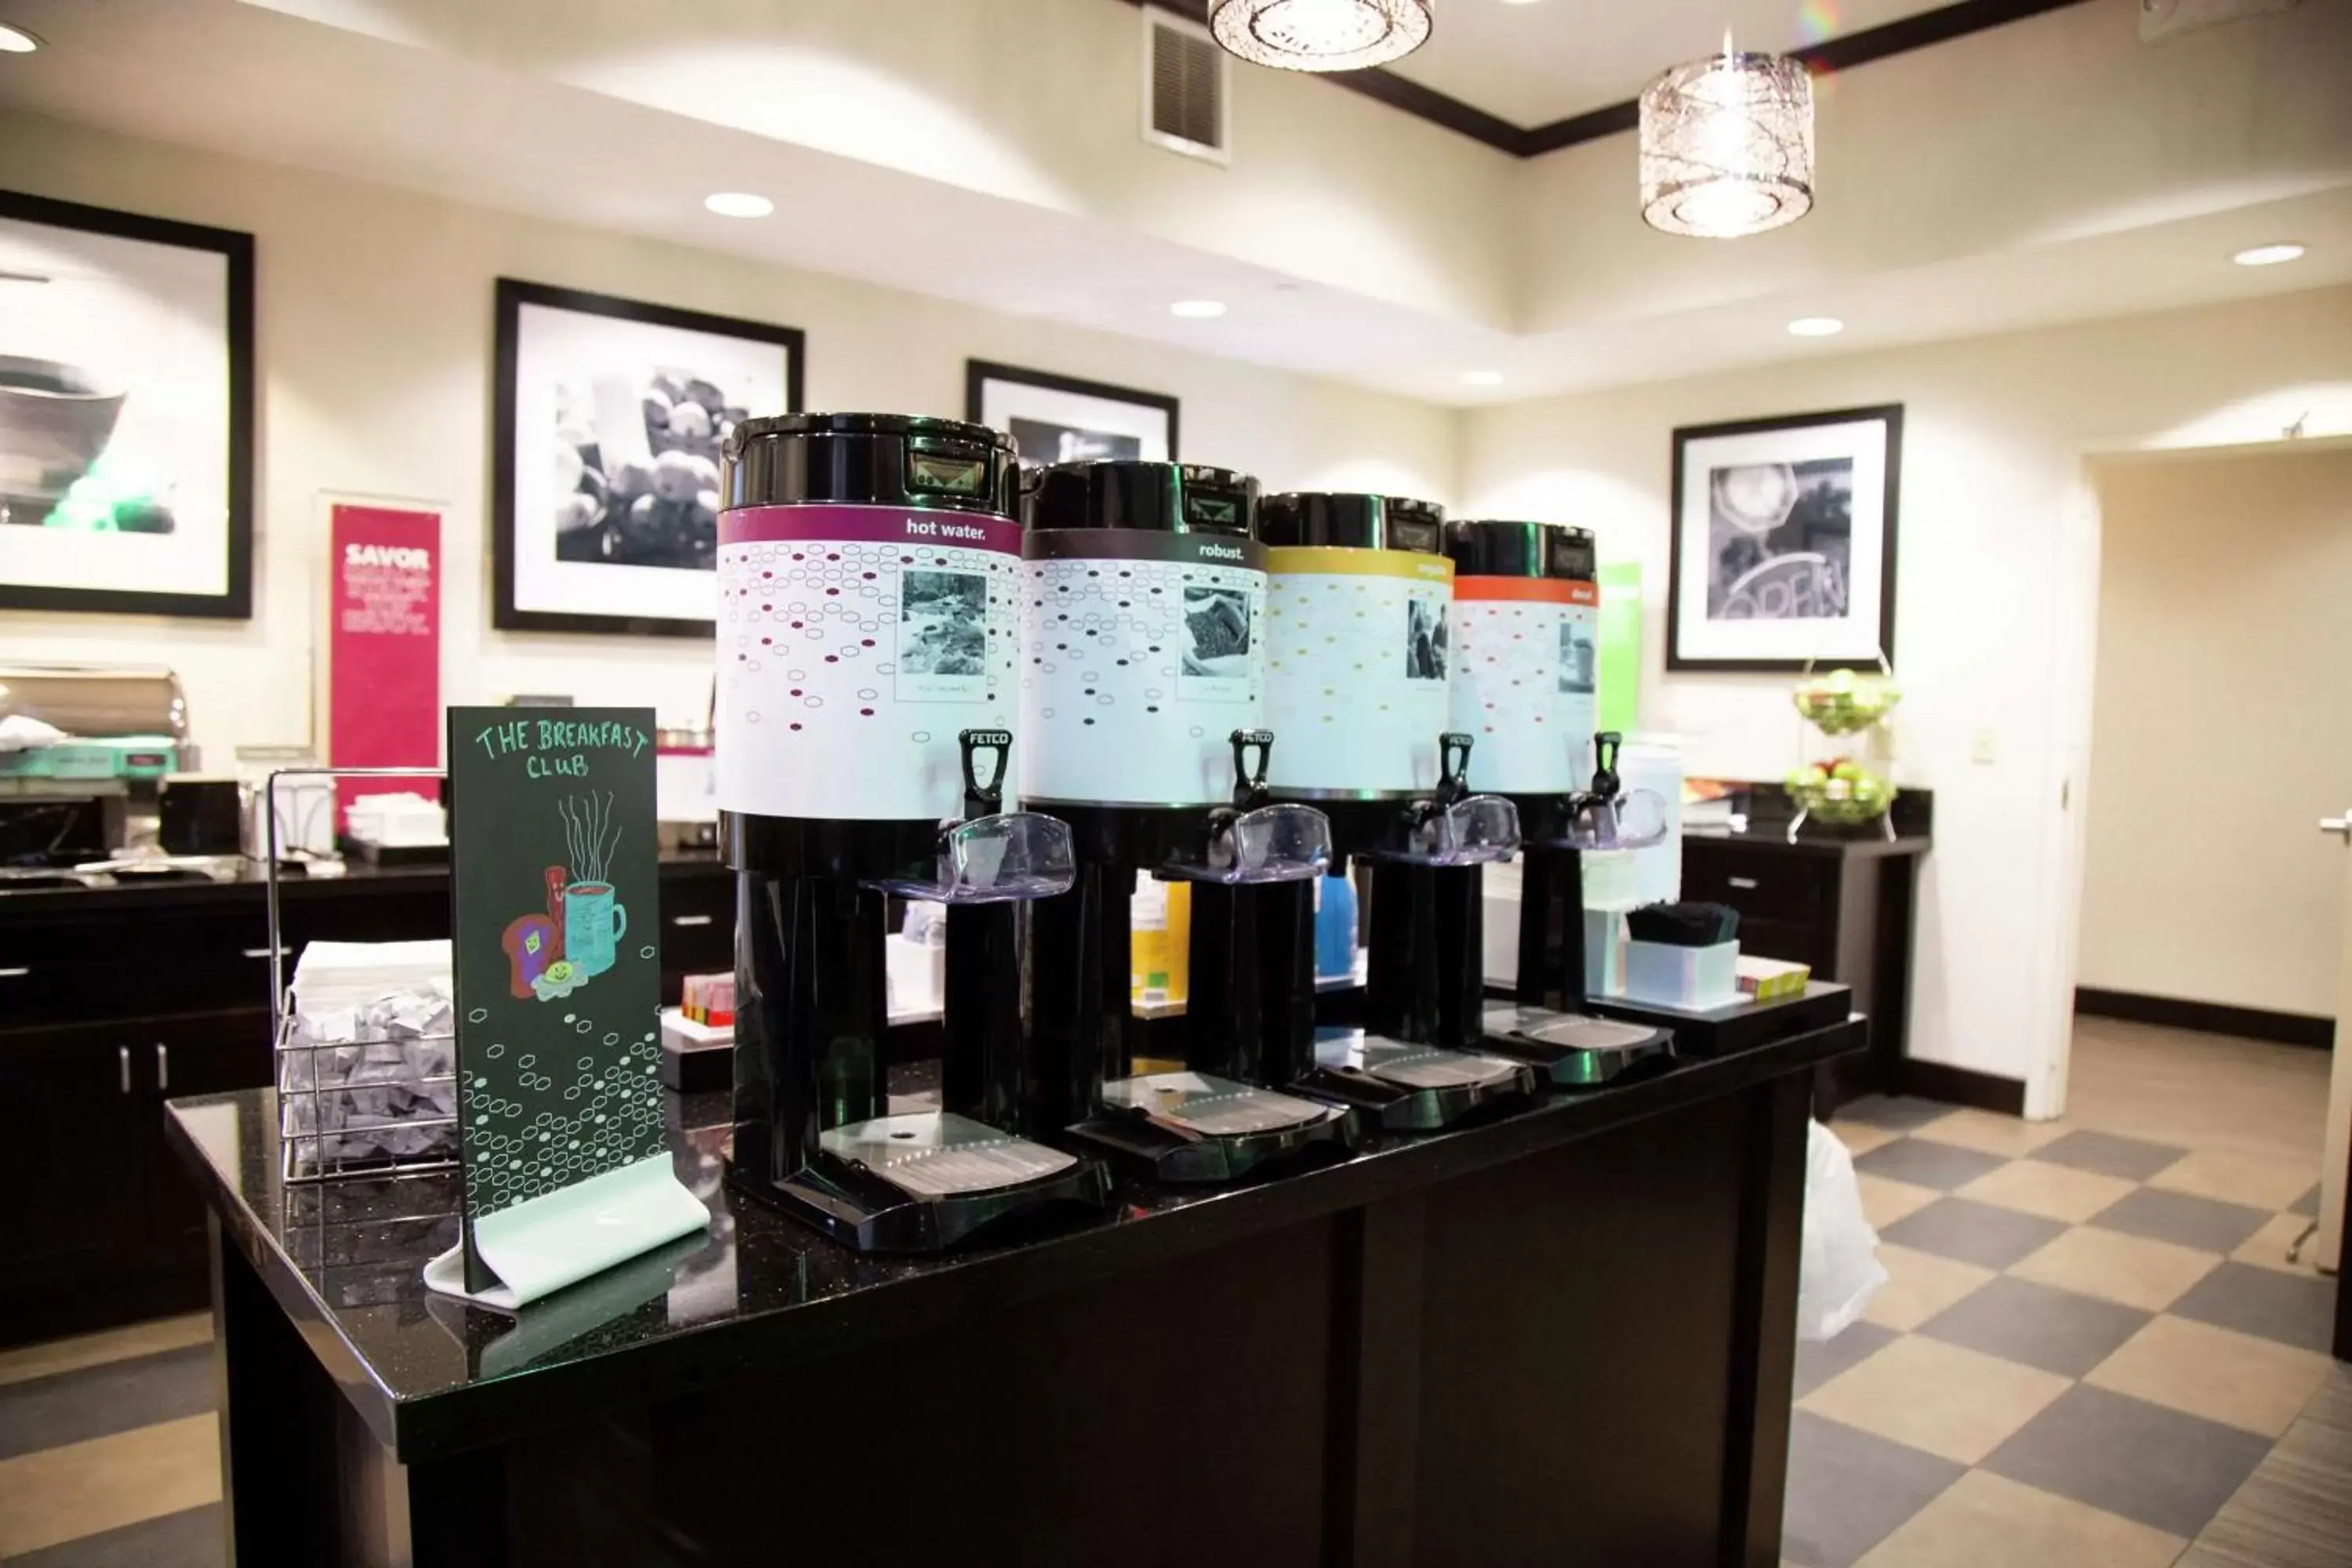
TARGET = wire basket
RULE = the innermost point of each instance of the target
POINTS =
(383, 1102)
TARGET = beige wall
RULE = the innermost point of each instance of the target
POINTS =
(1996, 597)
(374, 340)
(2221, 730)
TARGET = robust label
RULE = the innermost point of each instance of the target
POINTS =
(1357, 656)
(1142, 654)
(855, 643)
(1523, 681)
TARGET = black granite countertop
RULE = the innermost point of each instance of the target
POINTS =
(434, 1375)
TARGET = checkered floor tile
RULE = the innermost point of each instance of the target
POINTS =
(2087, 1345)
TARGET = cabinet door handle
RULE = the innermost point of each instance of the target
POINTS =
(122, 1061)
(163, 1066)
(1746, 884)
(689, 920)
(264, 952)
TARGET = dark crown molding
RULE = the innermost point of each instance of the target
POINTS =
(1927, 28)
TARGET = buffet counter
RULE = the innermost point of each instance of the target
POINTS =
(1563, 1335)
(115, 996)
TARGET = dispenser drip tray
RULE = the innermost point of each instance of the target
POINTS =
(1190, 1128)
(1408, 1087)
(1412, 1067)
(1575, 1049)
(1212, 1107)
(937, 1154)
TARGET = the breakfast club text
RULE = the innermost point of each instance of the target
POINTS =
(536, 740)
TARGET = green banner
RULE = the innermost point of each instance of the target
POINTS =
(1620, 646)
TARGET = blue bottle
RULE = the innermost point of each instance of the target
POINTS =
(1335, 928)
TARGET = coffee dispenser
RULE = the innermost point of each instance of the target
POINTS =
(1143, 689)
(1361, 593)
(870, 579)
(1525, 686)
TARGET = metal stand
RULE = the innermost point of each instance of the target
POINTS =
(315, 1131)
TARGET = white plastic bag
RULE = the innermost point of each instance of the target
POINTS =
(1839, 1271)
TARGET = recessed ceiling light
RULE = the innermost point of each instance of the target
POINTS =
(1815, 327)
(1518, 2)
(2267, 254)
(15, 40)
(739, 204)
(1485, 377)
(1198, 310)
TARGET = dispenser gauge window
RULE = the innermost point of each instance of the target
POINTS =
(1571, 554)
(1213, 511)
(947, 474)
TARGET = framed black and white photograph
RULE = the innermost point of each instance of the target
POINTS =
(126, 413)
(1060, 419)
(609, 417)
(1784, 542)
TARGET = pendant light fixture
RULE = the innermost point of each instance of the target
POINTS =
(1320, 34)
(1728, 145)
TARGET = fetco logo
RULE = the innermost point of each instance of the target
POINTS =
(1219, 553)
(408, 558)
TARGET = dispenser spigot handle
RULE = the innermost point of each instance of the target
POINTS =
(1453, 767)
(1605, 783)
(1249, 783)
(984, 797)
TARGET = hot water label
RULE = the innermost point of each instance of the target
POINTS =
(1356, 660)
(1522, 681)
(1142, 654)
(855, 642)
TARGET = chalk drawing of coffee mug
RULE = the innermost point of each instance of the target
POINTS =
(592, 924)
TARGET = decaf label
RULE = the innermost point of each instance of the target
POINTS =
(557, 947)
(1523, 681)
(1357, 668)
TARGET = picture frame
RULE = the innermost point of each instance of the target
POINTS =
(1061, 418)
(1783, 546)
(126, 414)
(607, 416)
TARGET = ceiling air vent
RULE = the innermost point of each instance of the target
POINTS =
(1183, 87)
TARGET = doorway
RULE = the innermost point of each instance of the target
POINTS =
(2213, 927)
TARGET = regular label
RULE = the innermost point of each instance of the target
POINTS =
(1523, 684)
(855, 643)
(1141, 653)
(1358, 652)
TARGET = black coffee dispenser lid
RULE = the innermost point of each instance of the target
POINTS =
(870, 460)
(1173, 498)
(1495, 549)
(1351, 521)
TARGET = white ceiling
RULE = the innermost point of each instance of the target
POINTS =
(1548, 59)
(2049, 171)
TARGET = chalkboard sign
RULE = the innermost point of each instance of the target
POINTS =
(558, 964)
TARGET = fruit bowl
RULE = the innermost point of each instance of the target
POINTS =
(1843, 702)
(1844, 795)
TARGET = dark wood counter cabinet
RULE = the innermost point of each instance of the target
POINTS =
(113, 998)
(1566, 1336)
(1845, 905)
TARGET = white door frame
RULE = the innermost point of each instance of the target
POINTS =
(2073, 681)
